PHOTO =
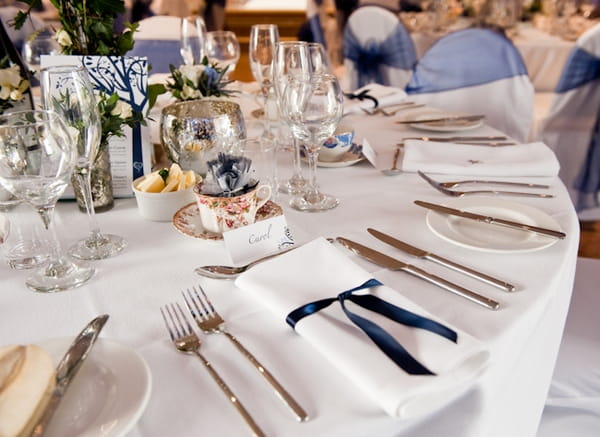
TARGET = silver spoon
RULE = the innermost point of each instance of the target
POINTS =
(394, 170)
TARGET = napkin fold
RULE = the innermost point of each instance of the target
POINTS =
(318, 270)
(531, 159)
(385, 96)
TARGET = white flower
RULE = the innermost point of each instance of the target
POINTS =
(10, 77)
(63, 38)
(192, 72)
(5, 93)
(189, 92)
(122, 109)
(16, 95)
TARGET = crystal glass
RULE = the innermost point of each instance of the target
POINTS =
(67, 90)
(319, 61)
(37, 158)
(223, 48)
(313, 107)
(261, 51)
(193, 40)
(34, 48)
(291, 61)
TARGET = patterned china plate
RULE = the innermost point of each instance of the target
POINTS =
(187, 220)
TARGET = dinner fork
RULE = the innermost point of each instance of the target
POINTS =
(407, 105)
(210, 322)
(185, 340)
(438, 186)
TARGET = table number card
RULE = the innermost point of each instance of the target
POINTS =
(260, 239)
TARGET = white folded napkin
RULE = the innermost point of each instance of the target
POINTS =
(319, 270)
(532, 159)
(385, 95)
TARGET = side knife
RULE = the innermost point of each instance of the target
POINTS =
(444, 119)
(394, 264)
(68, 368)
(420, 253)
(491, 220)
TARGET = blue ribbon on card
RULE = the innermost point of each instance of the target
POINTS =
(384, 341)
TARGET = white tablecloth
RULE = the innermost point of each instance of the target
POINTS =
(523, 336)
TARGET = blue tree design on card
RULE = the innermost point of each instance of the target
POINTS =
(128, 77)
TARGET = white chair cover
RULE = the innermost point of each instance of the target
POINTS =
(377, 48)
(158, 39)
(314, 21)
(572, 126)
(573, 404)
(477, 71)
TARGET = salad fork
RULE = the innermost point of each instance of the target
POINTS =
(210, 322)
(439, 186)
(185, 340)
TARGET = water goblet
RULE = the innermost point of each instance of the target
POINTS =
(193, 39)
(34, 48)
(314, 108)
(261, 51)
(67, 90)
(319, 60)
(223, 48)
(37, 158)
(291, 61)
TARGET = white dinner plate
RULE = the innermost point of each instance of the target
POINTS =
(108, 395)
(450, 126)
(489, 237)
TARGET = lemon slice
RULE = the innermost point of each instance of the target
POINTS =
(188, 179)
(175, 173)
(153, 183)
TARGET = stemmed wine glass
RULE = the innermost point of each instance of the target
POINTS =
(261, 50)
(36, 161)
(223, 48)
(291, 61)
(319, 60)
(313, 107)
(67, 90)
(193, 39)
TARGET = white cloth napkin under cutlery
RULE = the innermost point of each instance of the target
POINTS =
(385, 95)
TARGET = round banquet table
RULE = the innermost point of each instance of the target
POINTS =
(523, 336)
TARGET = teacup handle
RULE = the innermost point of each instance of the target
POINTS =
(263, 194)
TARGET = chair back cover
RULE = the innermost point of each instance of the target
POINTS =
(314, 21)
(158, 39)
(477, 71)
(572, 127)
(377, 48)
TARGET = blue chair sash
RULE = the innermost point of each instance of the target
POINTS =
(160, 53)
(588, 180)
(397, 51)
(384, 341)
(581, 67)
(466, 58)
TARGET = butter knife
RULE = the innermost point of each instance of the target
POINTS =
(420, 253)
(444, 119)
(394, 264)
(68, 368)
(491, 220)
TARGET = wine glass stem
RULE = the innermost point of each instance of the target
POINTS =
(84, 176)
(267, 118)
(46, 212)
(312, 194)
(297, 180)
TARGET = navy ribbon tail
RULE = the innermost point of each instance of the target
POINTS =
(363, 95)
(384, 341)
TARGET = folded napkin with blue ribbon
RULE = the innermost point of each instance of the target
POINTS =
(406, 360)
(372, 96)
(532, 159)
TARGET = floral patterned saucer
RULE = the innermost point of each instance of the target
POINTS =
(187, 220)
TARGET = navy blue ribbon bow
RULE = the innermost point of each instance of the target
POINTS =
(363, 95)
(384, 341)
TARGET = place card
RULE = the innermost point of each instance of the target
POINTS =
(257, 240)
(368, 152)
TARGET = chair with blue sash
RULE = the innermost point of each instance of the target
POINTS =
(158, 39)
(313, 16)
(572, 127)
(377, 49)
(477, 71)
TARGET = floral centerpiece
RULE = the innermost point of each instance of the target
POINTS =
(13, 85)
(191, 82)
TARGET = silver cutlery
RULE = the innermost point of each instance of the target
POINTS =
(68, 368)
(456, 193)
(455, 139)
(388, 113)
(394, 264)
(491, 220)
(444, 119)
(394, 170)
(454, 184)
(185, 340)
(210, 322)
(423, 254)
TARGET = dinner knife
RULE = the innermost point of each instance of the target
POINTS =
(394, 264)
(68, 368)
(491, 220)
(454, 139)
(420, 253)
(444, 119)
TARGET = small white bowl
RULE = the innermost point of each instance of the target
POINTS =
(161, 207)
(334, 147)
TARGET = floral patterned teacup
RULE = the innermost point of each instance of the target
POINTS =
(222, 214)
